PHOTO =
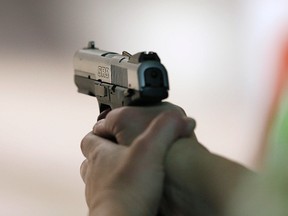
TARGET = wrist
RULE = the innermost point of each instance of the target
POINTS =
(108, 209)
(113, 204)
(106, 204)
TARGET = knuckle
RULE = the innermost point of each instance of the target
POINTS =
(173, 107)
(84, 142)
(180, 110)
(116, 115)
(173, 117)
(122, 112)
(87, 144)
(120, 116)
(83, 168)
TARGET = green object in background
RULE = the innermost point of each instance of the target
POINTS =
(278, 155)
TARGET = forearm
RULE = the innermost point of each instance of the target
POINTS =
(193, 172)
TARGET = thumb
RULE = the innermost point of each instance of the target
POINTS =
(163, 131)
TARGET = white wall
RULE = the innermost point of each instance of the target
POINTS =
(220, 56)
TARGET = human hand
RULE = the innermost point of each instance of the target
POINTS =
(128, 180)
(124, 124)
(197, 182)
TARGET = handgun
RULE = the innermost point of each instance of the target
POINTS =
(120, 79)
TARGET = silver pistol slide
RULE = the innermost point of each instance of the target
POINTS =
(120, 79)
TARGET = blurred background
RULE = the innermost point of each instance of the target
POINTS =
(221, 55)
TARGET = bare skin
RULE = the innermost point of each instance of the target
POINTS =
(196, 181)
(128, 180)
